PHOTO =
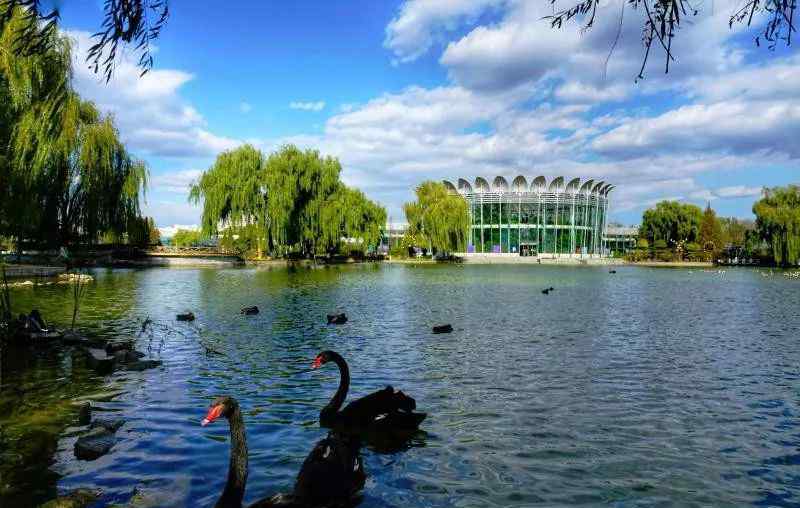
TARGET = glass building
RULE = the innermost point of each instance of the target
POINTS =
(557, 218)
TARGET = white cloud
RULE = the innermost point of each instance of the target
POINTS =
(172, 212)
(522, 49)
(177, 182)
(152, 117)
(245, 107)
(575, 91)
(734, 191)
(420, 23)
(308, 106)
(169, 231)
(738, 191)
(731, 126)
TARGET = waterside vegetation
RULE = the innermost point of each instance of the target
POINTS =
(438, 220)
(66, 179)
(674, 231)
(290, 203)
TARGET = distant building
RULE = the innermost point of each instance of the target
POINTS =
(620, 239)
(392, 235)
(564, 219)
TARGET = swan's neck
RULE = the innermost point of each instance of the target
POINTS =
(344, 384)
(237, 467)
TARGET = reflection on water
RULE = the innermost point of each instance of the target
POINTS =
(646, 387)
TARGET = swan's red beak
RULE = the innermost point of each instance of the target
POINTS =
(212, 415)
(318, 361)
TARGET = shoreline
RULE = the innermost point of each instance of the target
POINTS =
(674, 264)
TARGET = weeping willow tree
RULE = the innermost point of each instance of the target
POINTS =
(348, 214)
(778, 223)
(442, 218)
(234, 194)
(32, 87)
(65, 176)
(298, 182)
(290, 201)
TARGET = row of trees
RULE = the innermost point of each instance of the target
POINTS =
(291, 202)
(679, 230)
(65, 176)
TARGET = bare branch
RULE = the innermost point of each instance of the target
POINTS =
(662, 20)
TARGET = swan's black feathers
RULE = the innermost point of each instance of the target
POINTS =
(370, 408)
(332, 470)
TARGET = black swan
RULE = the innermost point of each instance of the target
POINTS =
(186, 316)
(337, 319)
(331, 475)
(384, 410)
(249, 311)
(443, 329)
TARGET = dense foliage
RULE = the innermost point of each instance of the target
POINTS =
(671, 222)
(710, 236)
(186, 238)
(142, 232)
(669, 232)
(778, 223)
(292, 201)
(65, 177)
(438, 216)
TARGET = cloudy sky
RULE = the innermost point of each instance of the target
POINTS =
(407, 90)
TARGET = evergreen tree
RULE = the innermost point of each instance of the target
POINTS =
(710, 230)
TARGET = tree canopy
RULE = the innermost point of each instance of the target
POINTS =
(290, 201)
(710, 236)
(142, 232)
(65, 176)
(778, 223)
(671, 222)
(186, 238)
(438, 216)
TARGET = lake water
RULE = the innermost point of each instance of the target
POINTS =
(648, 387)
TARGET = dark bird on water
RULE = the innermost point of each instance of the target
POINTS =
(384, 410)
(331, 475)
(547, 291)
(249, 311)
(443, 328)
(186, 316)
(612, 271)
(337, 319)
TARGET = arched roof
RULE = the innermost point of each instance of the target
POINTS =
(481, 185)
(556, 184)
(519, 184)
(586, 188)
(572, 186)
(464, 186)
(597, 187)
(604, 191)
(499, 184)
(609, 188)
(450, 186)
(539, 184)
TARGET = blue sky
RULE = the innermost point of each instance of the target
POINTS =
(403, 91)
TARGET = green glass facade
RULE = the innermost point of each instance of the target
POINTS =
(538, 218)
